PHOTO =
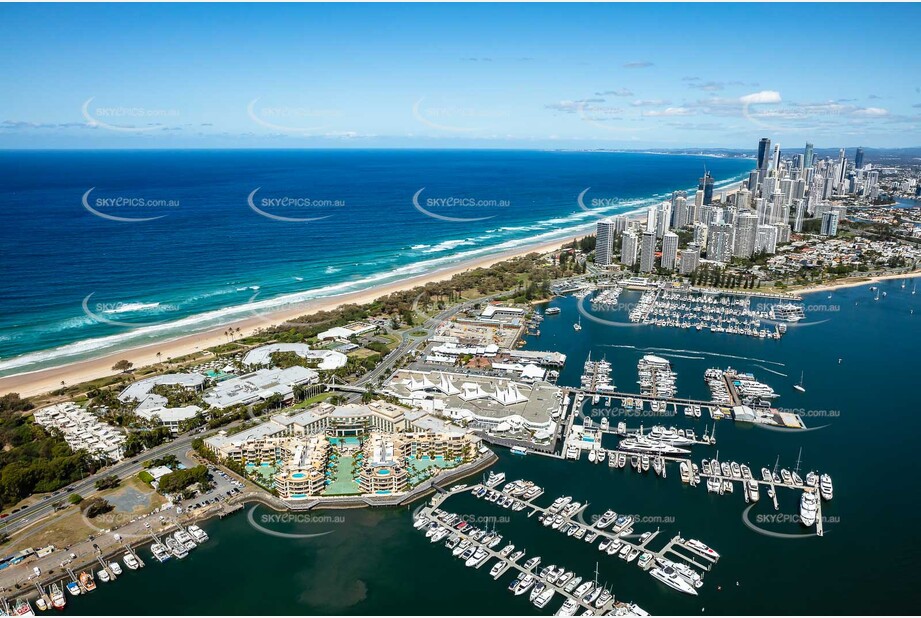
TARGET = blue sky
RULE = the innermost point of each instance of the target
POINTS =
(516, 76)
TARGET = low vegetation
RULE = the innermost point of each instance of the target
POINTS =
(33, 460)
(180, 479)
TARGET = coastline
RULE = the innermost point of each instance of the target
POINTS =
(30, 383)
(852, 282)
(42, 381)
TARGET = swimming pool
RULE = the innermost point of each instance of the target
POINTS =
(298, 475)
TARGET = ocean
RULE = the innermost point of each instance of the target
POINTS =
(856, 355)
(106, 250)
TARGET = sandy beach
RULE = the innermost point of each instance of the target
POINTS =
(46, 380)
(852, 283)
(43, 381)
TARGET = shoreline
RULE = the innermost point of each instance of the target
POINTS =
(42, 381)
(30, 383)
(852, 282)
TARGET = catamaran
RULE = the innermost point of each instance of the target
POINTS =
(799, 387)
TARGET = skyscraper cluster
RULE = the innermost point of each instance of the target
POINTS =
(780, 194)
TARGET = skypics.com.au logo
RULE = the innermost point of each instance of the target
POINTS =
(784, 525)
(439, 207)
(123, 205)
(284, 208)
(288, 525)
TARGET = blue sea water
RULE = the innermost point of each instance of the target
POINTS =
(855, 354)
(104, 250)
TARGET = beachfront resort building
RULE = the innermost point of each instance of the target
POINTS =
(155, 407)
(324, 360)
(355, 449)
(344, 333)
(82, 430)
(151, 395)
(259, 385)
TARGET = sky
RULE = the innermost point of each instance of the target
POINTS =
(459, 76)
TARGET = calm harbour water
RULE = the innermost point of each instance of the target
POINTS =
(373, 562)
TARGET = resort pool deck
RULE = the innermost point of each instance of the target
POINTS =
(348, 441)
(423, 468)
(266, 473)
(342, 483)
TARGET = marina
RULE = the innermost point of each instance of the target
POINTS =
(677, 564)
(82, 580)
(710, 310)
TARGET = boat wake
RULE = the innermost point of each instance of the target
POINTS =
(772, 371)
(673, 352)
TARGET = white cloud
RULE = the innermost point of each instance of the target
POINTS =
(669, 111)
(764, 96)
(620, 92)
(872, 112)
(649, 102)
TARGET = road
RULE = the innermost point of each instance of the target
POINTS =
(409, 341)
(87, 486)
(181, 444)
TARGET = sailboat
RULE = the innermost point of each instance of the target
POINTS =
(799, 387)
(578, 325)
(877, 294)
(913, 286)
(797, 479)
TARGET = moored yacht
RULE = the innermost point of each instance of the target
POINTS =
(808, 507)
(198, 534)
(130, 561)
(160, 552)
(57, 597)
(524, 584)
(826, 487)
(753, 493)
(573, 584)
(702, 547)
(544, 597)
(568, 609)
(670, 577)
